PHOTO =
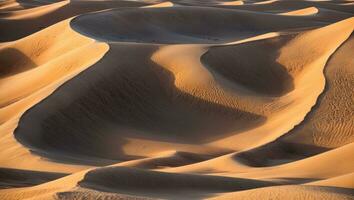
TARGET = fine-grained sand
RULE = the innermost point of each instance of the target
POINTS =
(179, 99)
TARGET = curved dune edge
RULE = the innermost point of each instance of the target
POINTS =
(34, 12)
(302, 87)
(265, 2)
(121, 181)
(219, 164)
(232, 3)
(206, 89)
(315, 167)
(161, 5)
(320, 130)
(252, 142)
(343, 181)
(17, 93)
(154, 26)
(131, 147)
(302, 12)
(36, 15)
(290, 192)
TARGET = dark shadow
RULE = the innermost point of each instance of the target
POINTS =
(286, 6)
(13, 178)
(22, 4)
(278, 152)
(167, 25)
(252, 65)
(124, 96)
(13, 61)
(285, 149)
(13, 29)
(153, 184)
(294, 181)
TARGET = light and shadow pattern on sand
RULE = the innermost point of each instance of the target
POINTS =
(180, 99)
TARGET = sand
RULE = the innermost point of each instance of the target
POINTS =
(179, 99)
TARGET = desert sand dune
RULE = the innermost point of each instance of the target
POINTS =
(283, 6)
(137, 182)
(316, 167)
(292, 193)
(163, 25)
(160, 183)
(345, 181)
(23, 178)
(179, 99)
(302, 12)
(327, 126)
(25, 22)
(161, 5)
(34, 57)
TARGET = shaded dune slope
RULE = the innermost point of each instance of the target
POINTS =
(166, 25)
(32, 68)
(149, 108)
(109, 113)
(327, 126)
(136, 106)
(282, 6)
(292, 192)
(25, 22)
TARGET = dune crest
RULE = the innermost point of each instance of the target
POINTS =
(302, 12)
(38, 65)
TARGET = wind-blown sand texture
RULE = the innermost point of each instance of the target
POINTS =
(179, 99)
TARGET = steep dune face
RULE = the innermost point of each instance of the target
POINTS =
(17, 178)
(32, 68)
(316, 167)
(327, 126)
(165, 185)
(167, 25)
(146, 112)
(302, 12)
(344, 181)
(182, 99)
(264, 76)
(133, 103)
(330, 125)
(20, 23)
(291, 192)
(282, 6)
(306, 69)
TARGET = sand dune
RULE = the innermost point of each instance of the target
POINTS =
(49, 63)
(291, 192)
(344, 181)
(302, 12)
(179, 99)
(20, 23)
(156, 25)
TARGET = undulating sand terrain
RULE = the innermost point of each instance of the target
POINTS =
(179, 99)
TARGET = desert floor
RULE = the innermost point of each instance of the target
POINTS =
(180, 99)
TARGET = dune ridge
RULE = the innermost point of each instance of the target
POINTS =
(21, 59)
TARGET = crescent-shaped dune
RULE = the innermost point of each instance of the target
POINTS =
(178, 99)
(302, 12)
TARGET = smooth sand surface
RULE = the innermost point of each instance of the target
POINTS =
(178, 99)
